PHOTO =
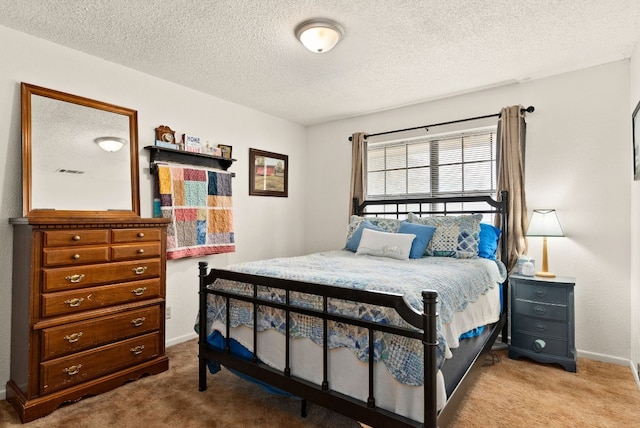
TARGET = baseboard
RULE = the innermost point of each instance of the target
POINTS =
(604, 358)
(178, 340)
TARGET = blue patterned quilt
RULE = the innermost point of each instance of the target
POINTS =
(457, 281)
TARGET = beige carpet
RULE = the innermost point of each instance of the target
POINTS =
(507, 394)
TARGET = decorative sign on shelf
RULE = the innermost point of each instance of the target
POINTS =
(191, 143)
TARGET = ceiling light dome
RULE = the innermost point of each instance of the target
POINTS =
(319, 35)
(110, 144)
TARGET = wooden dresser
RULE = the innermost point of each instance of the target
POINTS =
(88, 308)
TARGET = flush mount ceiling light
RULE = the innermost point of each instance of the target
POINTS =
(110, 144)
(319, 35)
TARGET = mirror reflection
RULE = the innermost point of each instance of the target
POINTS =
(83, 154)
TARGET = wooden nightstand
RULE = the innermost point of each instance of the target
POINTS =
(542, 320)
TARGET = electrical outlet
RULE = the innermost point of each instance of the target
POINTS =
(167, 314)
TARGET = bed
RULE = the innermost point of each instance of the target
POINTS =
(384, 331)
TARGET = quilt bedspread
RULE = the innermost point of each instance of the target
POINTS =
(457, 281)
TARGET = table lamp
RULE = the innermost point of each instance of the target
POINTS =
(544, 223)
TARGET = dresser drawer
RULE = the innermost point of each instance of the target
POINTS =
(541, 310)
(540, 344)
(55, 279)
(68, 302)
(67, 238)
(542, 327)
(135, 235)
(75, 256)
(135, 251)
(539, 292)
(75, 337)
(74, 369)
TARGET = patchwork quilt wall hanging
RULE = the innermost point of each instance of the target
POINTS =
(198, 202)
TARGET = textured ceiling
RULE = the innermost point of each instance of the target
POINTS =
(393, 53)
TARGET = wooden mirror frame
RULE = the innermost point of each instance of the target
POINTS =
(27, 90)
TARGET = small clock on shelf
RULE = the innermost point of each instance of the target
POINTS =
(165, 134)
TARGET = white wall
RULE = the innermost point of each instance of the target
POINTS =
(577, 162)
(634, 216)
(265, 226)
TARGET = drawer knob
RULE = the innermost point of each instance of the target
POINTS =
(540, 292)
(141, 235)
(73, 370)
(539, 345)
(76, 237)
(139, 270)
(138, 321)
(540, 326)
(72, 338)
(75, 302)
(139, 291)
(76, 256)
(540, 310)
(137, 350)
(141, 251)
(74, 278)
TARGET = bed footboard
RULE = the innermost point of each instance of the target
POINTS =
(322, 394)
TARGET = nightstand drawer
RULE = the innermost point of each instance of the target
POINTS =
(541, 310)
(541, 345)
(538, 292)
(541, 327)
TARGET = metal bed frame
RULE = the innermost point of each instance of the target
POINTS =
(457, 379)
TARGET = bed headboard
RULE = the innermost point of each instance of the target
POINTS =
(491, 209)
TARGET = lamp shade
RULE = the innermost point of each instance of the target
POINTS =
(319, 35)
(110, 144)
(544, 223)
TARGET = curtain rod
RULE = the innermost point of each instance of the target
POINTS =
(529, 109)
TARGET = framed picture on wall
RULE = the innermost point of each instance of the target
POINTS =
(268, 173)
(636, 142)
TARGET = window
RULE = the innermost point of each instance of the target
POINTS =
(451, 164)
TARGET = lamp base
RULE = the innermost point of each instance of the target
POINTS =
(546, 274)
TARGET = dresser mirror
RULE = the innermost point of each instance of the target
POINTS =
(65, 172)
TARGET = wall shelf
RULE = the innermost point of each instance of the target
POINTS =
(163, 154)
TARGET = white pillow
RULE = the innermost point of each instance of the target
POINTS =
(384, 244)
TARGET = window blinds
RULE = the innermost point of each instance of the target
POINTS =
(459, 163)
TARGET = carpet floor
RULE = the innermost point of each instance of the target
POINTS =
(507, 393)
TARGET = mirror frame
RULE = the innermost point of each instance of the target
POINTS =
(27, 90)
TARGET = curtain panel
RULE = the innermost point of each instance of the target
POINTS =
(357, 169)
(511, 154)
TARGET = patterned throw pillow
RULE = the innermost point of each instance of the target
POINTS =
(386, 224)
(455, 236)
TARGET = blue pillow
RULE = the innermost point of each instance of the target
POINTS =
(354, 241)
(489, 236)
(423, 236)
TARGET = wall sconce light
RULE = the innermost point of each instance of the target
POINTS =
(544, 223)
(110, 144)
(319, 35)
